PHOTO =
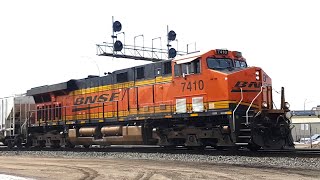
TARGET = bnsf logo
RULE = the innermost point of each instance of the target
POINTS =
(96, 98)
(242, 84)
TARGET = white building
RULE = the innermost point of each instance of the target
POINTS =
(305, 124)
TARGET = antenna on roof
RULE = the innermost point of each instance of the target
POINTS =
(118, 49)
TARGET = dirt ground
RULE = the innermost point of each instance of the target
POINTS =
(89, 169)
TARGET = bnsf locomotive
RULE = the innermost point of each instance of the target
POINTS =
(198, 100)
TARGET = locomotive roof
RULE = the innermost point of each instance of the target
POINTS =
(192, 56)
(151, 70)
(94, 81)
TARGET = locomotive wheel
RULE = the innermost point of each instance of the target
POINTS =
(253, 147)
(169, 147)
(69, 145)
(196, 148)
(19, 145)
(233, 148)
(5, 143)
(9, 143)
(86, 146)
(55, 144)
(18, 142)
(28, 144)
(219, 148)
(42, 144)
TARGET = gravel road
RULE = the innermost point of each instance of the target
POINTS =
(134, 165)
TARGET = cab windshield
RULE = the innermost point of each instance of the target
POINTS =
(240, 64)
(220, 63)
(225, 63)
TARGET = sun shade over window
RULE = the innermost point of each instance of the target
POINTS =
(183, 61)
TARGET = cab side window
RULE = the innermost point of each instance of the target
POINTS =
(122, 77)
(167, 68)
(237, 64)
(140, 73)
(192, 67)
(177, 70)
(195, 66)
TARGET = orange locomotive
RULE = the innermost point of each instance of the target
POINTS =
(198, 100)
(208, 99)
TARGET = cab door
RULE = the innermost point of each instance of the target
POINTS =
(188, 86)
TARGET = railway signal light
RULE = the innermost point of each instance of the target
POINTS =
(116, 26)
(117, 46)
(172, 53)
(172, 35)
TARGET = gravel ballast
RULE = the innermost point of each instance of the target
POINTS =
(240, 160)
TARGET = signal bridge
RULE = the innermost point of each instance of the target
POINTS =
(135, 52)
(118, 49)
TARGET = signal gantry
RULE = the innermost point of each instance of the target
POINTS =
(118, 49)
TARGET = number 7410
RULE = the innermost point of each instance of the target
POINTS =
(195, 85)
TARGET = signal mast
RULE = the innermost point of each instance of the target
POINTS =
(118, 49)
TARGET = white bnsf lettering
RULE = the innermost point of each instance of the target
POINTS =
(97, 98)
(248, 84)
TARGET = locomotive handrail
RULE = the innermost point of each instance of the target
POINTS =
(247, 117)
(24, 124)
(88, 115)
(233, 119)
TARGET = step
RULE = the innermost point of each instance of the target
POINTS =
(248, 116)
(242, 144)
(244, 137)
(245, 130)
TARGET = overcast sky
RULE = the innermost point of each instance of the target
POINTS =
(46, 42)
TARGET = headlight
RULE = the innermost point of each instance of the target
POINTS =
(257, 75)
(287, 105)
(264, 104)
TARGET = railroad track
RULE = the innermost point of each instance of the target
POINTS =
(179, 150)
(313, 152)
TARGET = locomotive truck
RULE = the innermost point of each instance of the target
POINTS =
(197, 100)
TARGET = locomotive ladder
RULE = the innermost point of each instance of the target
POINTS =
(244, 133)
(247, 116)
